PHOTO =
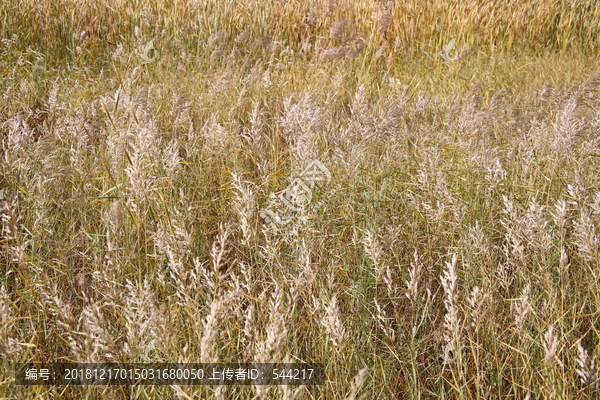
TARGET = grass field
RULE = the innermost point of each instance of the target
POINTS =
(407, 192)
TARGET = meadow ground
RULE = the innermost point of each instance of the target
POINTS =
(407, 192)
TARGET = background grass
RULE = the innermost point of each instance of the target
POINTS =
(133, 189)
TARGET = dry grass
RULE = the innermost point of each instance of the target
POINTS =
(454, 253)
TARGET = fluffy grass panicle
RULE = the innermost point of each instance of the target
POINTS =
(453, 254)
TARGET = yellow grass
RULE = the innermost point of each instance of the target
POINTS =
(452, 251)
